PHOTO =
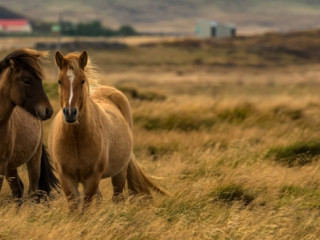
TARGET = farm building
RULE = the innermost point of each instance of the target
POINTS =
(15, 26)
(208, 29)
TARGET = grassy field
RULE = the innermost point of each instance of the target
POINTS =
(231, 131)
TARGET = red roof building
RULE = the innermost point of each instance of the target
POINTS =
(15, 25)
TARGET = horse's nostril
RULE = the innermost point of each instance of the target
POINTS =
(49, 112)
(65, 110)
(70, 114)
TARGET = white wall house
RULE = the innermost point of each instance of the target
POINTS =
(207, 29)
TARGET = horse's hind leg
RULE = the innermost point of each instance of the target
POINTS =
(15, 183)
(118, 183)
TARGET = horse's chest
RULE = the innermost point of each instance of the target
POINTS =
(84, 149)
(81, 155)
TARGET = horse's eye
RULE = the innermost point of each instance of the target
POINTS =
(82, 82)
(59, 81)
(27, 81)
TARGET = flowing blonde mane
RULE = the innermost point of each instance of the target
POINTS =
(90, 70)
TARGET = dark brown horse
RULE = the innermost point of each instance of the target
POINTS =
(23, 104)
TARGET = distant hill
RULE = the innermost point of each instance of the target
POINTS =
(8, 14)
(178, 16)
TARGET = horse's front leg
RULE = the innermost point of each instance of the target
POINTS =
(34, 166)
(70, 189)
(15, 183)
(3, 170)
(91, 188)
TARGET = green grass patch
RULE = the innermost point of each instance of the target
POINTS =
(293, 114)
(309, 196)
(177, 121)
(205, 117)
(295, 154)
(160, 150)
(202, 171)
(141, 95)
(173, 210)
(237, 114)
(232, 192)
(293, 190)
(51, 89)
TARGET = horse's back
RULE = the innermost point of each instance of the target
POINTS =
(27, 136)
(105, 95)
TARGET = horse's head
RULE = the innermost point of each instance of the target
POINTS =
(73, 83)
(24, 81)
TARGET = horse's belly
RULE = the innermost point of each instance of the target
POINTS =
(99, 160)
(117, 139)
(118, 158)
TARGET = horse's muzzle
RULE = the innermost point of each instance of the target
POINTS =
(70, 114)
(44, 113)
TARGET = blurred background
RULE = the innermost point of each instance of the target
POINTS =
(178, 17)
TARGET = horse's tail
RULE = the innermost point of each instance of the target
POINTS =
(138, 182)
(48, 180)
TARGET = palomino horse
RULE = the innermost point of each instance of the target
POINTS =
(91, 137)
(23, 104)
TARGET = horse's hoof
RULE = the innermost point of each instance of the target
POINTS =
(118, 198)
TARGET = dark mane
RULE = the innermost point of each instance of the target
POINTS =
(24, 58)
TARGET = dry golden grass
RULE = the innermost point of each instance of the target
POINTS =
(206, 143)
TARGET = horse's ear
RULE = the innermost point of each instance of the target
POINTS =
(59, 60)
(83, 59)
(13, 65)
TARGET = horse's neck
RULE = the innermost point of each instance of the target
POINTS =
(6, 105)
(6, 109)
(86, 117)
